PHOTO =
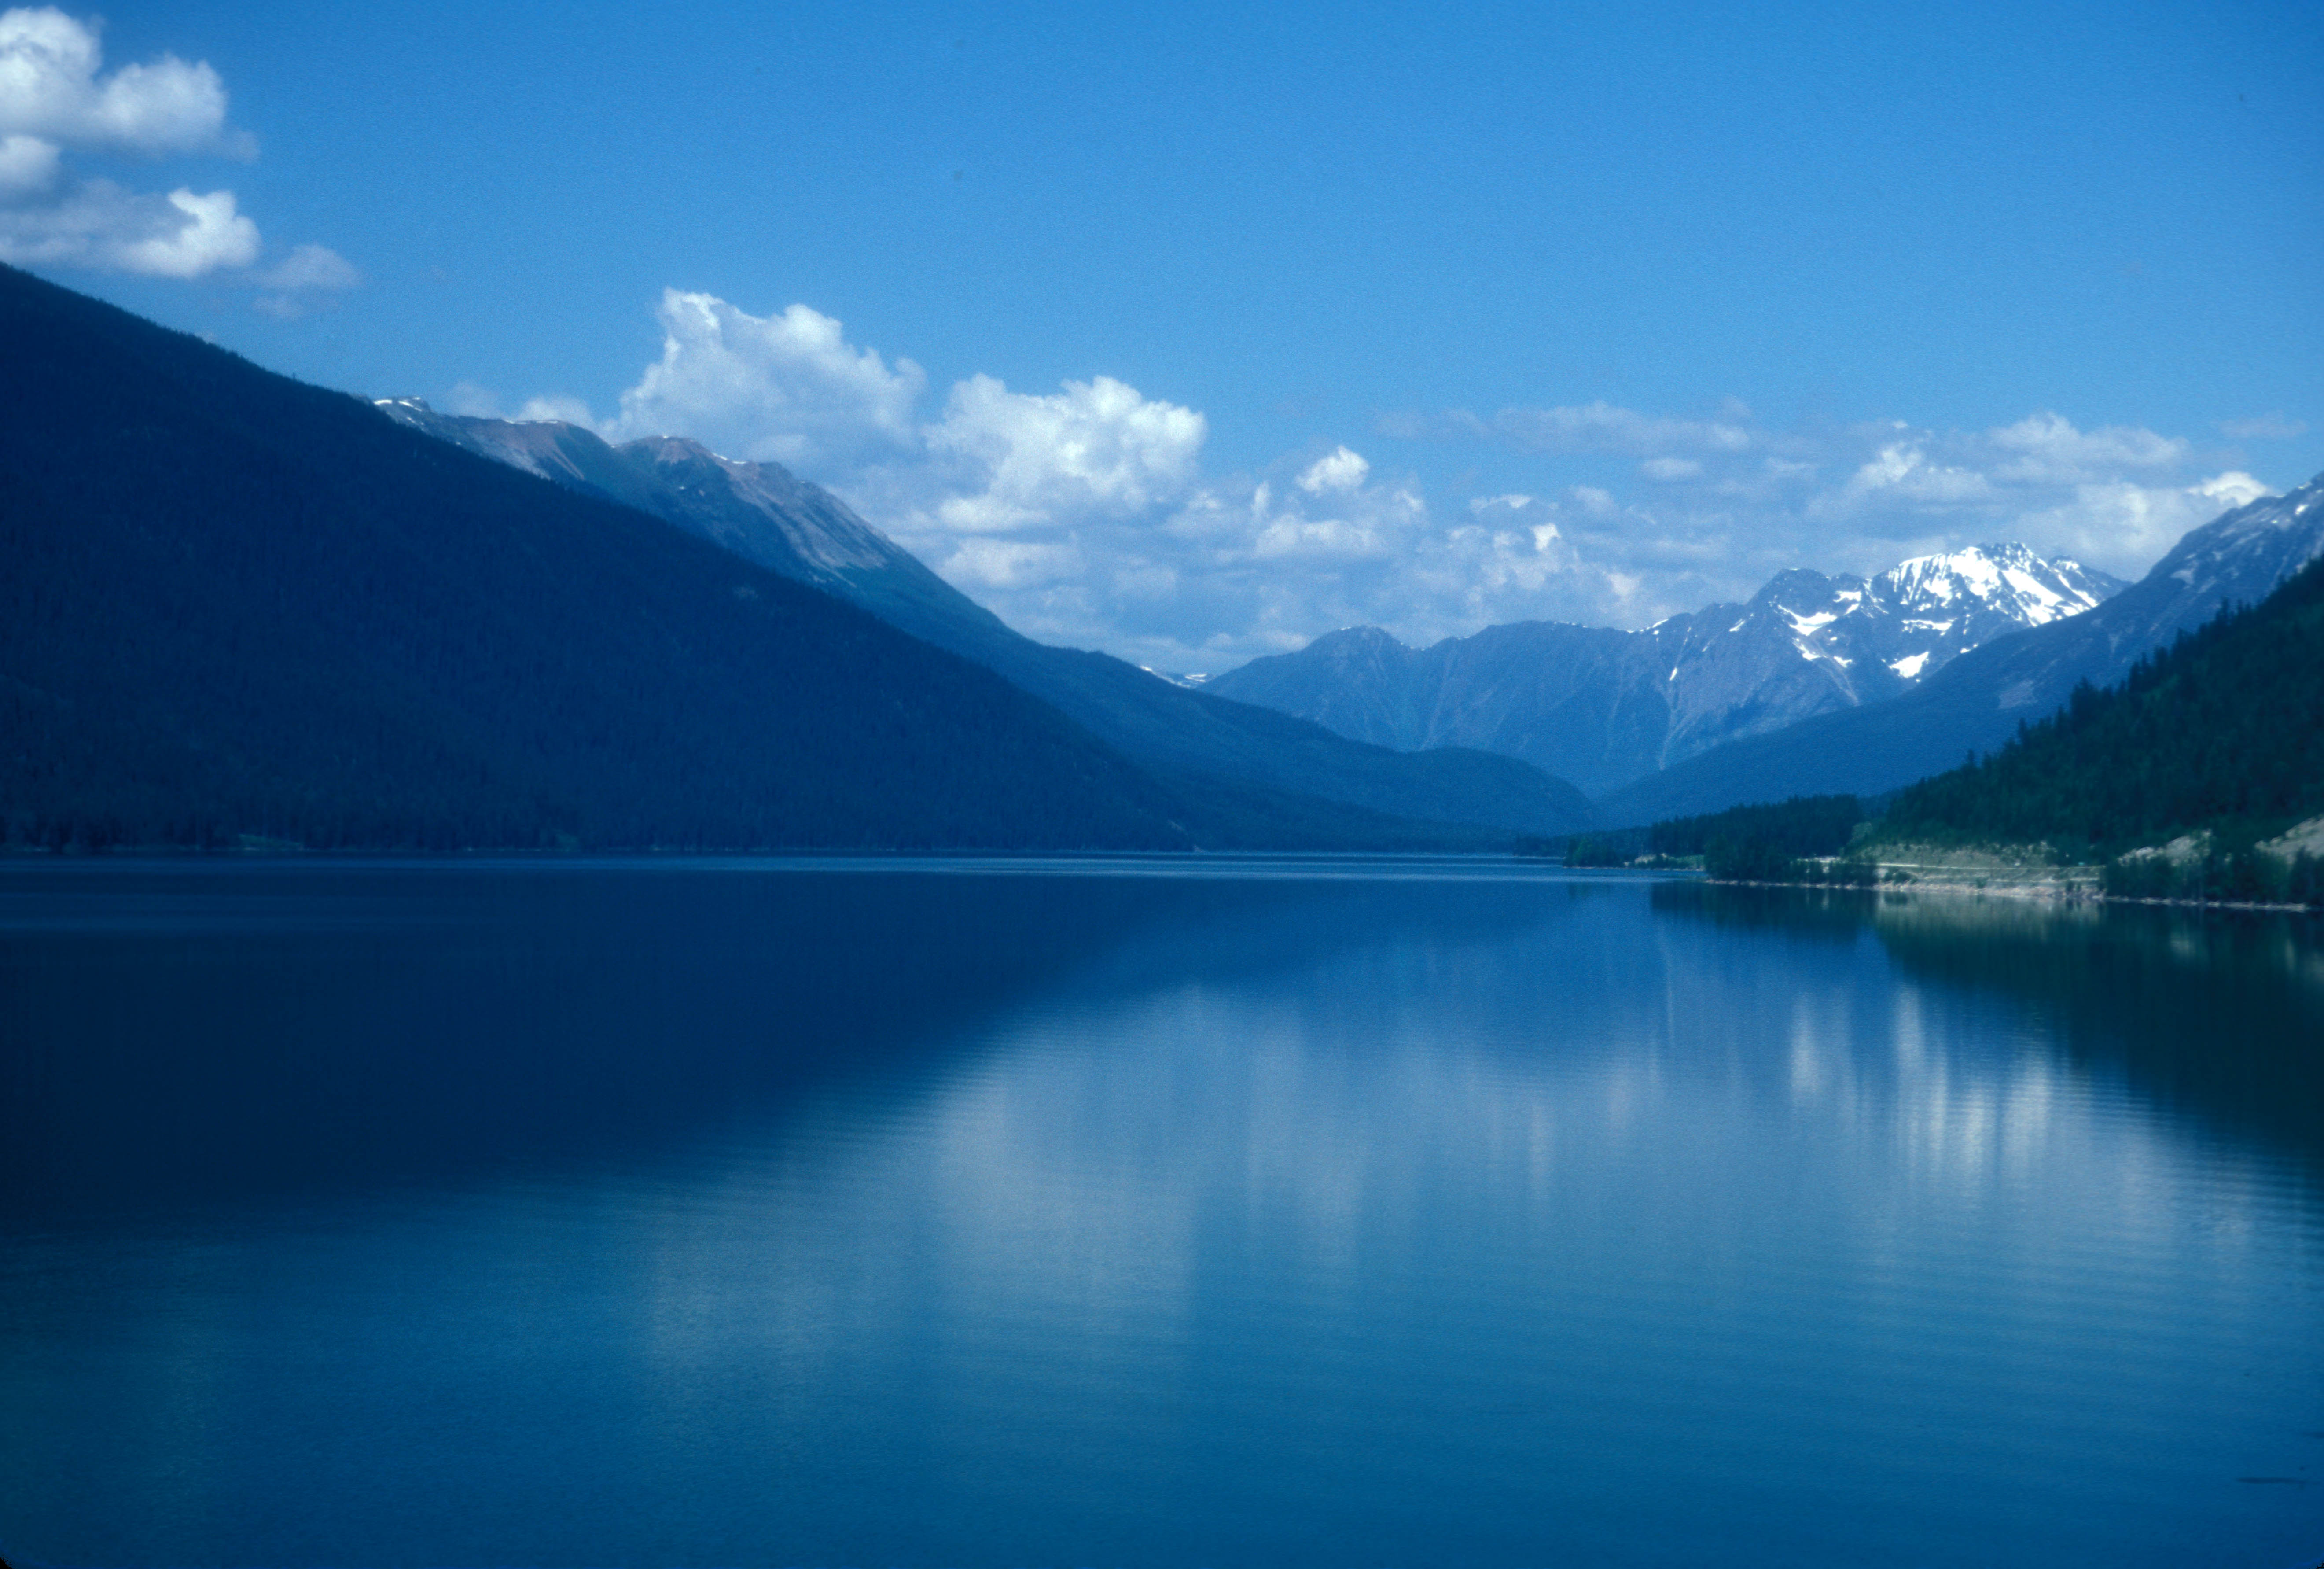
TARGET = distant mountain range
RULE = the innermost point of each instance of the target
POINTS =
(1604, 707)
(763, 514)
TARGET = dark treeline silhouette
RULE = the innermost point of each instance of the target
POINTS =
(1777, 843)
(1766, 844)
(233, 606)
(2221, 732)
(1620, 848)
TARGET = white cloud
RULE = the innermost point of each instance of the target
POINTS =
(99, 224)
(2230, 490)
(304, 280)
(312, 267)
(2049, 450)
(571, 410)
(28, 165)
(1005, 564)
(1098, 447)
(2112, 497)
(2122, 525)
(788, 389)
(1340, 470)
(1670, 470)
(1902, 474)
(50, 88)
(213, 235)
(55, 96)
(479, 402)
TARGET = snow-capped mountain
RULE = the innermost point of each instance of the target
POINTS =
(1602, 707)
(1977, 700)
(1943, 606)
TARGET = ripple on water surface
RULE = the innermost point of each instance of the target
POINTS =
(1291, 1213)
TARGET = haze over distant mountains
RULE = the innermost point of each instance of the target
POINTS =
(1603, 707)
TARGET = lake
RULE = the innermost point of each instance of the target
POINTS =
(1209, 1212)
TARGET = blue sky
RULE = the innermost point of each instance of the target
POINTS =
(1193, 332)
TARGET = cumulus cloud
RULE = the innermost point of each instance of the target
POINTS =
(1902, 474)
(1096, 450)
(787, 389)
(97, 224)
(1728, 503)
(55, 96)
(1342, 469)
(51, 89)
(312, 267)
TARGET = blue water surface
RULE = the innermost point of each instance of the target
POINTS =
(1147, 1212)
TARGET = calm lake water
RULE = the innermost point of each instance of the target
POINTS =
(1333, 1213)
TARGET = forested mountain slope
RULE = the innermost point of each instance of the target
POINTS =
(2225, 726)
(235, 604)
(764, 512)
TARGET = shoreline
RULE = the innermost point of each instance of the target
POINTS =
(2031, 893)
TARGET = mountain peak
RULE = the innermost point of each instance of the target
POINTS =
(1366, 639)
(2008, 580)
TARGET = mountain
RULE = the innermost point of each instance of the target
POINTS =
(1193, 738)
(1602, 707)
(758, 510)
(237, 606)
(1977, 702)
(2225, 725)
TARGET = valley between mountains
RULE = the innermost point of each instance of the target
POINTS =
(1818, 684)
(247, 611)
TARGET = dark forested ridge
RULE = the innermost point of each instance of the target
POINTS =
(234, 605)
(2225, 726)
(1238, 758)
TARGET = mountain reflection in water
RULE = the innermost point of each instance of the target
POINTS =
(1165, 1211)
(2217, 1015)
